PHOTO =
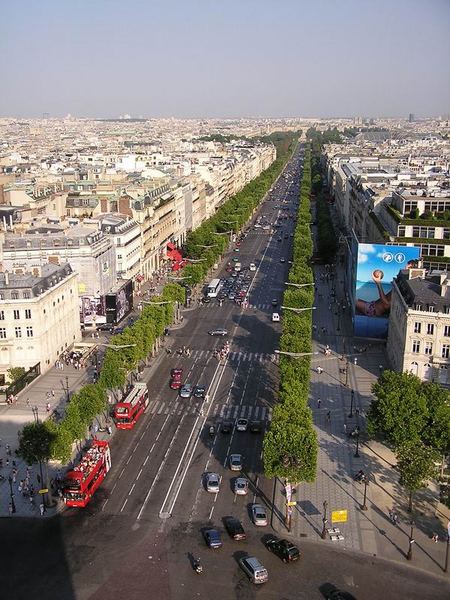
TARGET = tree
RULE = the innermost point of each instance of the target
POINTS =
(415, 463)
(15, 373)
(436, 432)
(399, 410)
(35, 440)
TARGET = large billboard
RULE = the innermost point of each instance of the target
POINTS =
(92, 310)
(376, 267)
(119, 303)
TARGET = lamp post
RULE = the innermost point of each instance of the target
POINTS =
(11, 493)
(324, 520)
(298, 285)
(411, 542)
(299, 310)
(295, 354)
(357, 446)
(366, 483)
(35, 411)
(67, 389)
(351, 402)
(446, 552)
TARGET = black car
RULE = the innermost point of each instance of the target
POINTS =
(105, 327)
(285, 549)
(206, 300)
(255, 427)
(226, 427)
(199, 391)
(234, 528)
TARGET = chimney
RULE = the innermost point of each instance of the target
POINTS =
(6, 278)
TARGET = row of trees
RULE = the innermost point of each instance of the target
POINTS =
(414, 418)
(42, 441)
(290, 446)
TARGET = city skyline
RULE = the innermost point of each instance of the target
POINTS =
(200, 60)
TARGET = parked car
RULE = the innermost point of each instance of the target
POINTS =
(186, 390)
(259, 515)
(275, 317)
(236, 462)
(241, 424)
(252, 267)
(213, 538)
(274, 302)
(213, 483)
(234, 528)
(285, 549)
(175, 383)
(241, 486)
(218, 331)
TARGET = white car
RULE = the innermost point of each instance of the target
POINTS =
(276, 317)
(213, 483)
(241, 486)
(252, 267)
(241, 424)
(259, 515)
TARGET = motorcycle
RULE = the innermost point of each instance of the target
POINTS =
(212, 431)
(353, 432)
(197, 566)
(360, 476)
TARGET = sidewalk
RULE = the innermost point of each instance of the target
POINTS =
(369, 531)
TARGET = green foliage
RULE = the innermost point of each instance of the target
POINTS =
(35, 441)
(15, 373)
(415, 463)
(399, 410)
(290, 446)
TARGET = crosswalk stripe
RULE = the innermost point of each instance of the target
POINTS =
(236, 409)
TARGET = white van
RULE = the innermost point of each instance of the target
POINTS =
(252, 267)
(237, 267)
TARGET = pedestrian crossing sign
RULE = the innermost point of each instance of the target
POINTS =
(339, 516)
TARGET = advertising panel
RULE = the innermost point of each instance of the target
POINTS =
(120, 302)
(92, 310)
(376, 267)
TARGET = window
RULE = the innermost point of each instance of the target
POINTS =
(417, 327)
(29, 332)
(18, 332)
(445, 351)
(27, 313)
(14, 295)
(2, 333)
(430, 328)
(416, 346)
(2, 315)
(428, 348)
(447, 331)
(17, 314)
(26, 294)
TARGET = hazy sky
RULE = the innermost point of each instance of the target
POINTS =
(228, 58)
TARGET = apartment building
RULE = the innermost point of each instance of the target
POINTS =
(419, 325)
(125, 235)
(39, 316)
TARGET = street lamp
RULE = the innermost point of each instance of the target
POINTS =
(324, 520)
(446, 551)
(299, 310)
(67, 389)
(357, 446)
(411, 542)
(366, 483)
(298, 285)
(117, 346)
(13, 506)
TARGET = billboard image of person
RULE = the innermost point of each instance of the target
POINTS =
(377, 265)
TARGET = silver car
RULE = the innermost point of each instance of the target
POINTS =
(236, 462)
(186, 390)
(213, 483)
(241, 486)
(259, 515)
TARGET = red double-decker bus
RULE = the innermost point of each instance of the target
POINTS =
(81, 482)
(127, 412)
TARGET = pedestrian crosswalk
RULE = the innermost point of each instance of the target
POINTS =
(233, 357)
(221, 412)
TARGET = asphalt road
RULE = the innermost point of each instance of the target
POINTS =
(136, 537)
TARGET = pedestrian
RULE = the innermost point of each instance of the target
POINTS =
(10, 509)
(53, 393)
(319, 402)
(435, 538)
(108, 429)
(42, 509)
(47, 407)
(345, 428)
(355, 361)
(7, 462)
(329, 416)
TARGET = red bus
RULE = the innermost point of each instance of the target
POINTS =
(127, 412)
(81, 482)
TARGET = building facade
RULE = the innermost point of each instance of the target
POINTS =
(39, 316)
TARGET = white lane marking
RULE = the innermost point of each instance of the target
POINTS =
(138, 475)
(121, 473)
(123, 505)
(151, 450)
(105, 503)
(148, 456)
(131, 490)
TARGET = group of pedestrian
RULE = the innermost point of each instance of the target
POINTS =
(59, 365)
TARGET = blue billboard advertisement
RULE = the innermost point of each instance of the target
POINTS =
(376, 267)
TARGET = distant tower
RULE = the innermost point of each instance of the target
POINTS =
(411, 117)
(46, 115)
